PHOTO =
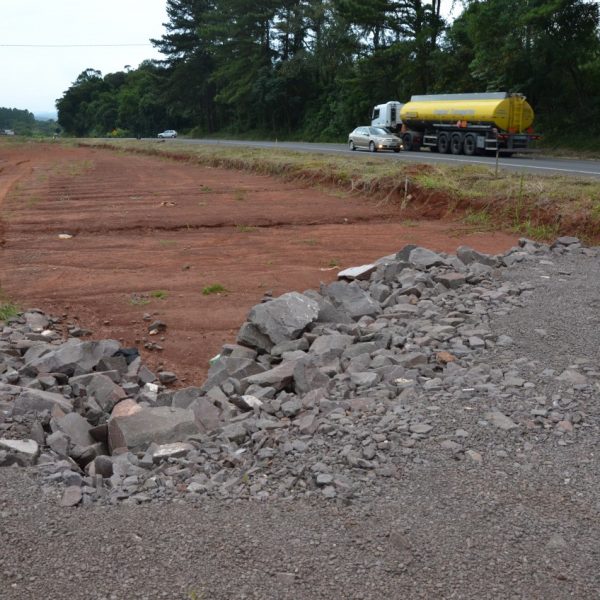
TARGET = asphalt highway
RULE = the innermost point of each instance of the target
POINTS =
(526, 162)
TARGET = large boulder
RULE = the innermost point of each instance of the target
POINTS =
(161, 425)
(281, 319)
(73, 354)
(26, 400)
(352, 299)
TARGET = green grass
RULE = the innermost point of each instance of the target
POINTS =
(478, 218)
(8, 310)
(245, 228)
(159, 294)
(214, 288)
(333, 263)
(167, 243)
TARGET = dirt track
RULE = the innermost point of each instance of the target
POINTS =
(150, 234)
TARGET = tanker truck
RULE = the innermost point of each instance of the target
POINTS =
(468, 124)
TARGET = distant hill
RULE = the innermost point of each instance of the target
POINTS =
(23, 122)
(46, 116)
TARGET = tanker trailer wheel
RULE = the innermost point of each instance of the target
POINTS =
(372, 147)
(407, 141)
(456, 143)
(470, 144)
(443, 143)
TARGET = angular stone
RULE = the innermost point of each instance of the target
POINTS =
(284, 318)
(58, 442)
(74, 354)
(361, 272)
(235, 432)
(291, 408)
(76, 428)
(26, 451)
(161, 425)
(420, 428)
(500, 420)
(352, 299)
(173, 450)
(565, 240)
(279, 377)
(72, 496)
(103, 466)
(125, 408)
(307, 376)
(422, 258)
(105, 391)
(229, 366)
(330, 347)
(166, 377)
(468, 256)
(184, 397)
(31, 400)
(207, 415)
(451, 280)
(364, 379)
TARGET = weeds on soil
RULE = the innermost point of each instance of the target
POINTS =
(215, 288)
(8, 310)
(512, 200)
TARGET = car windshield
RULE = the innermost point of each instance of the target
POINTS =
(377, 131)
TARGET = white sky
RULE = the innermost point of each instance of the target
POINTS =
(34, 78)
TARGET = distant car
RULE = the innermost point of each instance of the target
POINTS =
(168, 133)
(374, 139)
(7, 132)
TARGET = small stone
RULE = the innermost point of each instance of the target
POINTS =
(323, 479)
(71, 496)
(167, 377)
(565, 426)
(500, 420)
(420, 428)
(445, 357)
(474, 456)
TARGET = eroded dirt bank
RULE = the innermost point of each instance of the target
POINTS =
(149, 235)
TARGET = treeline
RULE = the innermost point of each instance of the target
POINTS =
(23, 122)
(313, 69)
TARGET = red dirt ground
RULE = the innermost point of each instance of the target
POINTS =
(144, 224)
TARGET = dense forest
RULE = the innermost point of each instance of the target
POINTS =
(313, 69)
(23, 122)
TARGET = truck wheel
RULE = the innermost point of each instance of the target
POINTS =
(456, 144)
(407, 141)
(470, 144)
(443, 143)
(372, 147)
(351, 145)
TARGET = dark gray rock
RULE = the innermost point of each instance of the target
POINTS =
(161, 425)
(352, 299)
(284, 318)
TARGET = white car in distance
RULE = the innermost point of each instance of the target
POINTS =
(168, 133)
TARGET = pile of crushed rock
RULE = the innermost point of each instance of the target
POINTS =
(324, 392)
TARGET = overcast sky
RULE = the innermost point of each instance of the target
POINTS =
(33, 78)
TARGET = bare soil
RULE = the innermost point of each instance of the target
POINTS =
(150, 234)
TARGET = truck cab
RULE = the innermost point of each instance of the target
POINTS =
(387, 116)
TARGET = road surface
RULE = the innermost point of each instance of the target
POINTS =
(530, 162)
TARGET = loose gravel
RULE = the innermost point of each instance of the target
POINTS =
(488, 490)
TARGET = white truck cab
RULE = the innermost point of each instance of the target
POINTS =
(387, 115)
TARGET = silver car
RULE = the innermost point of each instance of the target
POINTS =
(374, 139)
(169, 133)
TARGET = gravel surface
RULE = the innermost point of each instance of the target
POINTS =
(517, 515)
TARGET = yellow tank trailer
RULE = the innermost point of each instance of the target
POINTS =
(466, 123)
